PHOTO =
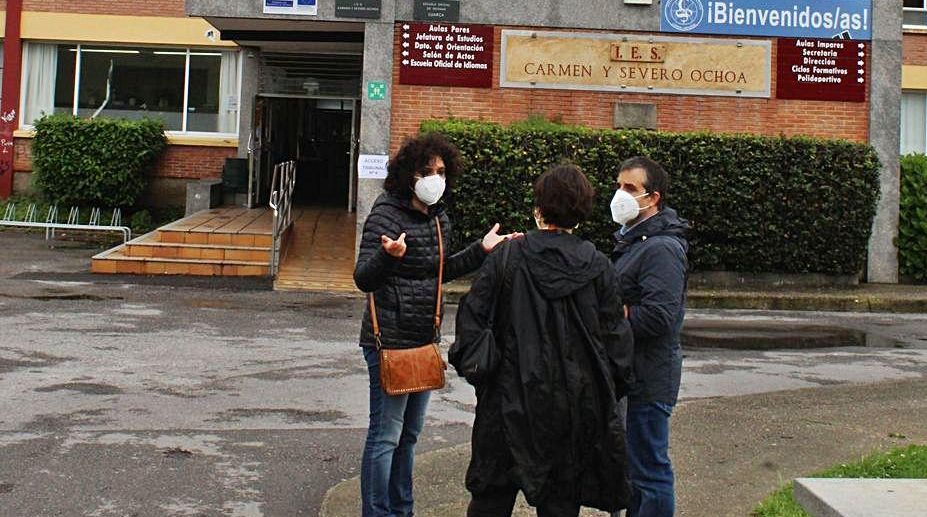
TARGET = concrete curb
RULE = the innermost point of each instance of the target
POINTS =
(851, 301)
(861, 298)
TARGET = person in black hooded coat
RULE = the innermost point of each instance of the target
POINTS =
(547, 419)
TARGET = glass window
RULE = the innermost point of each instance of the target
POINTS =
(132, 84)
(915, 13)
(64, 79)
(213, 102)
(203, 104)
(913, 122)
(914, 19)
(189, 90)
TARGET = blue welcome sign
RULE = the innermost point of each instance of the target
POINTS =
(303, 7)
(848, 19)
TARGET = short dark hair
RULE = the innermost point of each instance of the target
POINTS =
(414, 155)
(657, 179)
(564, 195)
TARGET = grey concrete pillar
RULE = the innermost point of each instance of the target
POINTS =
(884, 135)
(250, 76)
(375, 114)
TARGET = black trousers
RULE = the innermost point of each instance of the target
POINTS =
(500, 503)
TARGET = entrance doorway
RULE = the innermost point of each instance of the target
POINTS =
(320, 135)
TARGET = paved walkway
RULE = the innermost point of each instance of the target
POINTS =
(729, 453)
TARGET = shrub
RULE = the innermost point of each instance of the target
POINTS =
(141, 222)
(756, 204)
(912, 227)
(100, 162)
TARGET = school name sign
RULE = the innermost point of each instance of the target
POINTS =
(626, 63)
(847, 19)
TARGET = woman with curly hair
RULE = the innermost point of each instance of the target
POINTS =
(399, 262)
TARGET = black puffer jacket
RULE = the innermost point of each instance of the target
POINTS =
(405, 289)
(548, 420)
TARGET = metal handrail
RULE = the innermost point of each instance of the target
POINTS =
(73, 223)
(281, 202)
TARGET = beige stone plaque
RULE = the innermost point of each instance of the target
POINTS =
(635, 63)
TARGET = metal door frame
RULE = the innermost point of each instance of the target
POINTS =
(355, 146)
(254, 154)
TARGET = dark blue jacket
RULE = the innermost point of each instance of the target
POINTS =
(652, 270)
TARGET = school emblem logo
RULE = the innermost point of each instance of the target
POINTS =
(683, 15)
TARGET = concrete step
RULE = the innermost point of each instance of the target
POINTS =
(217, 242)
(148, 246)
(832, 497)
(260, 240)
(117, 261)
(339, 286)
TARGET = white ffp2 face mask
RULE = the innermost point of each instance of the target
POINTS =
(430, 189)
(624, 207)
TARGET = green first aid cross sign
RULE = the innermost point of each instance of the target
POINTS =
(376, 90)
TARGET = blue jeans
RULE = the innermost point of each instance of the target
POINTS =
(648, 456)
(389, 453)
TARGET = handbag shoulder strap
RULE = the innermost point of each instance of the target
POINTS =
(374, 321)
(440, 277)
(437, 321)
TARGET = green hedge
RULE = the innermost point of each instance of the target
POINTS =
(912, 229)
(100, 162)
(756, 204)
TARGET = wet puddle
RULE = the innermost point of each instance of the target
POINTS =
(788, 336)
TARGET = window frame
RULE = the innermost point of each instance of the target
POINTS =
(922, 9)
(922, 93)
(188, 51)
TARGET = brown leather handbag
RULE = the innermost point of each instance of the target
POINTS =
(413, 370)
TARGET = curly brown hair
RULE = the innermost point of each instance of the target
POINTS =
(415, 155)
(564, 195)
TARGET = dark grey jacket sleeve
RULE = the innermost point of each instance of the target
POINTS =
(374, 264)
(615, 331)
(663, 283)
(464, 261)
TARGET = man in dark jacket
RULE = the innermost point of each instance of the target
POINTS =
(650, 259)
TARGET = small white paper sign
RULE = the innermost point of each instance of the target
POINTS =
(372, 166)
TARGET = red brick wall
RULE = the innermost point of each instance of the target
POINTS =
(914, 49)
(125, 7)
(22, 154)
(193, 162)
(412, 104)
(178, 161)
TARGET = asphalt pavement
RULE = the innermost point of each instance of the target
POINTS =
(175, 396)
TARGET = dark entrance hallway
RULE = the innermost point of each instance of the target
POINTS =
(316, 133)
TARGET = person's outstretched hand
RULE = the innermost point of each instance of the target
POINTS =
(396, 248)
(492, 239)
